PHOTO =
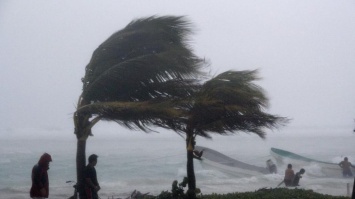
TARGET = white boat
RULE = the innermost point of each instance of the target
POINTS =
(227, 164)
(327, 169)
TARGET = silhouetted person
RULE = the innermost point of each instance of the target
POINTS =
(345, 165)
(91, 184)
(40, 181)
(297, 177)
(289, 175)
(271, 166)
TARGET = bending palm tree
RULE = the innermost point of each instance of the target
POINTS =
(134, 77)
(228, 103)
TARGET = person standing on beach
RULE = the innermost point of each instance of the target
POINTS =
(91, 184)
(345, 165)
(289, 175)
(40, 182)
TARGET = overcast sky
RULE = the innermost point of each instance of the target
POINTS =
(304, 50)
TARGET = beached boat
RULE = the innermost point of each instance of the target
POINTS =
(227, 164)
(328, 169)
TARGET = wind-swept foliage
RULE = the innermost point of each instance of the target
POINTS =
(135, 78)
(231, 102)
(146, 75)
(148, 59)
(134, 114)
(228, 103)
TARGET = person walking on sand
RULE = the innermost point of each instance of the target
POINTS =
(289, 175)
(345, 165)
(39, 176)
(91, 184)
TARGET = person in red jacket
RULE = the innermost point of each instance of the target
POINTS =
(40, 183)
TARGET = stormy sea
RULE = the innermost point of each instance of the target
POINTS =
(151, 162)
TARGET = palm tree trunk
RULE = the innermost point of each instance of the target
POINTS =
(190, 168)
(80, 165)
(191, 175)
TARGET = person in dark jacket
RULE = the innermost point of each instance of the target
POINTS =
(91, 184)
(40, 182)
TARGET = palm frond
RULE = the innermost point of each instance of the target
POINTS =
(139, 115)
(145, 53)
(231, 102)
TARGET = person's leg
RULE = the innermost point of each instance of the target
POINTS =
(344, 173)
(88, 193)
(347, 173)
(95, 195)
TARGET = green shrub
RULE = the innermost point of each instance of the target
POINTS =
(177, 191)
(275, 193)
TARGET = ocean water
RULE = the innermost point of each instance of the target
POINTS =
(150, 163)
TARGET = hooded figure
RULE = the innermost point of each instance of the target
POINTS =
(40, 183)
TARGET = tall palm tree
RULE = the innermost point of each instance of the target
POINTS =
(228, 103)
(134, 79)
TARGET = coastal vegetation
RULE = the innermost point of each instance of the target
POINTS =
(146, 75)
(263, 194)
(135, 78)
(177, 192)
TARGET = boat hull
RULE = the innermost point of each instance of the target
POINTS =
(215, 159)
(325, 169)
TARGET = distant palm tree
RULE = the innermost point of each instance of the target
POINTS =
(134, 79)
(228, 103)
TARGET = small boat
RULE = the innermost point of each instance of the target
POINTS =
(328, 169)
(227, 164)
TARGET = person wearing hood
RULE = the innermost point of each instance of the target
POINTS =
(40, 182)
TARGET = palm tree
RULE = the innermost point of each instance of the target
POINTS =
(228, 103)
(134, 79)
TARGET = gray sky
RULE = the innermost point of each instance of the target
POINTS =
(304, 49)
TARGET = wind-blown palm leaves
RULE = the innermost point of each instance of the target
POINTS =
(228, 103)
(141, 62)
(149, 59)
(136, 114)
(135, 77)
(232, 102)
(146, 75)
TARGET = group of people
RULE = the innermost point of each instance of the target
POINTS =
(291, 179)
(40, 182)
